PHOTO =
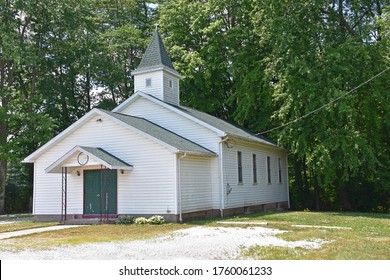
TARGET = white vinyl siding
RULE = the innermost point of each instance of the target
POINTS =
(159, 84)
(171, 89)
(148, 189)
(195, 182)
(156, 82)
(247, 193)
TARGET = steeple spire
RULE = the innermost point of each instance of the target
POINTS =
(155, 74)
(156, 56)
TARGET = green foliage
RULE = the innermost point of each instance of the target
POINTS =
(141, 221)
(125, 220)
(319, 52)
(259, 63)
(58, 60)
(214, 46)
(156, 220)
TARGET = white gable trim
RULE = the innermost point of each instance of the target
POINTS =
(91, 155)
(94, 112)
(161, 68)
(62, 135)
(138, 94)
(127, 102)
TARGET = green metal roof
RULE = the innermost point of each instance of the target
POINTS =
(180, 143)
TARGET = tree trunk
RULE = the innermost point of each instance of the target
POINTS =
(317, 193)
(3, 173)
(3, 162)
(3, 136)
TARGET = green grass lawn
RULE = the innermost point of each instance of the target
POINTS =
(15, 226)
(368, 238)
(87, 234)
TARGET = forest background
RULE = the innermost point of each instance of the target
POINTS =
(263, 64)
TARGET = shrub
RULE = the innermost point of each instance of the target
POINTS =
(156, 220)
(124, 220)
(141, 221)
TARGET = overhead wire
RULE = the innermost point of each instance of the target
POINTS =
(325, 105)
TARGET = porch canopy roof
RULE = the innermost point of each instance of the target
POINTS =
(81, 156)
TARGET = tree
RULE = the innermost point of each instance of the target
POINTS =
(59, 59)
(321, 50)
(267, 63)
(213, 46)
(22, 123)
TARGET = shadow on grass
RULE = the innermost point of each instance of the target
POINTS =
(360, 214)
(210, 221)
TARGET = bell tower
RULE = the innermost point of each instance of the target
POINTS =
(156, 75)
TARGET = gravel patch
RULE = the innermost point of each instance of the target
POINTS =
(202, 243)
(7, 222)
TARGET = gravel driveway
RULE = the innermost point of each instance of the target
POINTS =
(202, 243)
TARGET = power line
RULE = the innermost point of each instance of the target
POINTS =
(323, 106)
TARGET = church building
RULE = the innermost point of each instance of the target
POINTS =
(152, 156)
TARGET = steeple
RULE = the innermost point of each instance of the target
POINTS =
(155, 74)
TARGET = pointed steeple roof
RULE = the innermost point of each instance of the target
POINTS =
(155, 57)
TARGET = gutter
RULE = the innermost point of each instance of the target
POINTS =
(287, 184)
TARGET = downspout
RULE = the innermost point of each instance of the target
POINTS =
(179, 186)
(222, 196)
(34, 189)
(287, 183)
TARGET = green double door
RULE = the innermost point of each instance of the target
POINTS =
(100, 192)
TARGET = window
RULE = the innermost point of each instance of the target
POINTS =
(280, 170)
(239, 166)
(254, 169)
(269, 169)
(170, 84)
(148, 82)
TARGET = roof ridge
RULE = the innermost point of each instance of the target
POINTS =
(194, 113)
(233, 123)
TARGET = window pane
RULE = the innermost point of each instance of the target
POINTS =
(254, 169)
(269, 169)
(239, 166)
(148, 82)
(280, 170)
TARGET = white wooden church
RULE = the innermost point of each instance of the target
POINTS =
(152, 156)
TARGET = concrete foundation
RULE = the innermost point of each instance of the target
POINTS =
(171, 218)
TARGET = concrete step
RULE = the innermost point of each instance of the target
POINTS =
(90, 221)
